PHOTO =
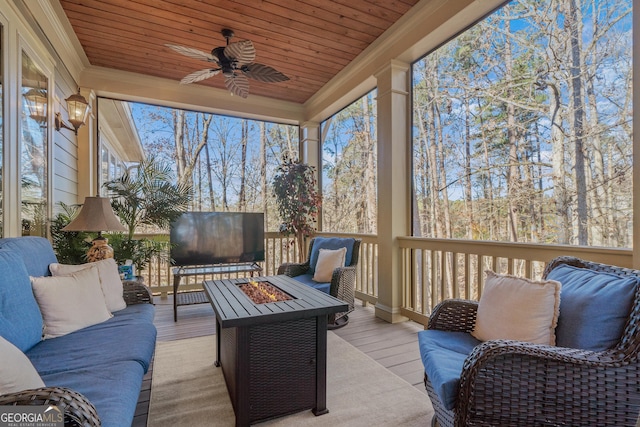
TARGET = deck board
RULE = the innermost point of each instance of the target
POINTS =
(394, 346)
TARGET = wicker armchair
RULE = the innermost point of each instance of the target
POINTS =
(343, 281)
(512, 383)
(78, 410)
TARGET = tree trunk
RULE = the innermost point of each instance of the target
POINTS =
(371, 211)
(263, 167)
(243, 167)
(513, 172)
(178, 130)
(573, 26)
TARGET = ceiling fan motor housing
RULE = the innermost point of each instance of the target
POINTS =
(226, 64)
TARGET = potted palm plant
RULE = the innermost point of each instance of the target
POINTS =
(145, 196)
(298, 201)
(70, 246)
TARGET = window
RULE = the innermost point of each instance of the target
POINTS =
(33, 154)
(522, 127)
(349, 175)
(229, 162)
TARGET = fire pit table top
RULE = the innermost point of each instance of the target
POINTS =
(234, 308)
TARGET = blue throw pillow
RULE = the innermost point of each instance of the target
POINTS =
(20, 317)
(330, 243)
(594, 307)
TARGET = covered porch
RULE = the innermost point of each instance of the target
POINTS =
(400, 277)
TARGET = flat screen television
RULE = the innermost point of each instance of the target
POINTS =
(206, 238)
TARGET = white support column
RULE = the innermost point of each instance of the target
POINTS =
(394, 179)
(310, 143)
(310, 152)
(88, 151)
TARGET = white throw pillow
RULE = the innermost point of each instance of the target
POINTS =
(328, 260)
(109, 280)
(16, 371)
(516, 308)
(69, 303)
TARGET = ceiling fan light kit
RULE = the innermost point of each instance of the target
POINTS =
(234, 61)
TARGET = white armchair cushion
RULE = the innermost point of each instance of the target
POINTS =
(516, 308)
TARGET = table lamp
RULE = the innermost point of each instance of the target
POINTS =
(96, 214)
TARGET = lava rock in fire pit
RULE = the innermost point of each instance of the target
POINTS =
(263, 292)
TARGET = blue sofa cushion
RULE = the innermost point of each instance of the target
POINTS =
(594, 307)
(113, 388)
(136, 313)
(330, 243)
(20, 316)
(443, 354)
(117, 339)
(36, 252)
(307, 279)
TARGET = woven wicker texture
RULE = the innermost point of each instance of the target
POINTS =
(510, 383)
(343, 280)
(276, 370)
(191, 297)
(78, 411)
(136, 292)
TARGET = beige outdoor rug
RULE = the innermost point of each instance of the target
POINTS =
(187, 390)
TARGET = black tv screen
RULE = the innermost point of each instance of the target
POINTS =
(204, 238)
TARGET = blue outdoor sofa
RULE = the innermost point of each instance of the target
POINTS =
(94, 374)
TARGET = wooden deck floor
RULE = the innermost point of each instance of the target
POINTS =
(395, 346)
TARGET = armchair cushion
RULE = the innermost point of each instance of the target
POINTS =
(20, 316)
(307, 279)
(330, 243)
(516, 308)
(443, 354)
(594, 308)
(16, 371)
(328, 260)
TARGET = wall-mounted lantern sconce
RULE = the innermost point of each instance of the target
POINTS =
(78, 109)
(37, 104)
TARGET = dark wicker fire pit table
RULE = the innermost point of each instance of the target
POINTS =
(273, 355)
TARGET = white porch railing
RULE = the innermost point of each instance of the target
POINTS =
(157, 275)
(437, 269)
(367, 270)
(432, 269)
(278, 249)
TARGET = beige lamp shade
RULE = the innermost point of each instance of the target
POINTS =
(96, 215)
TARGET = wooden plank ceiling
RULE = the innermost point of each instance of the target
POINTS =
(309, 41)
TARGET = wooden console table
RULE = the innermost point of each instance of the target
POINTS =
(199, 297)
(274, 355)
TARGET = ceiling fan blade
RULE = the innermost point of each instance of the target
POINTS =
(237, 85)
(243, 52)
(193, 53)
(263, 73)
(196, 76)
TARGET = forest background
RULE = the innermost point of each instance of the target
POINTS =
(522, 131)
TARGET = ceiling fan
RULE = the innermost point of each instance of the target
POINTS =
(234, 61)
